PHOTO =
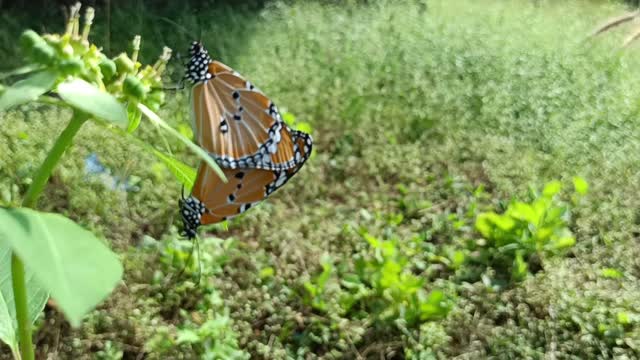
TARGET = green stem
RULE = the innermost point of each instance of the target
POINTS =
(61, 145)
(22, 311)
(31, 197)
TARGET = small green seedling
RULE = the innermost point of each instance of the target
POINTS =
(527, 231)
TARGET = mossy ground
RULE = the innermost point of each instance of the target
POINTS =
(415, 106)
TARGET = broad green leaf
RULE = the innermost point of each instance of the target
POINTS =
(193, 147)
(27, 90)
(88, 98)
(37, 299)
(77, 269)
(183, 172)
(581, 185)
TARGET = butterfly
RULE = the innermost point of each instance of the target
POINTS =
(213, 200)
(233, 121)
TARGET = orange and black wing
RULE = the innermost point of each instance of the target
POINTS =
(213, 200)
(236, 123)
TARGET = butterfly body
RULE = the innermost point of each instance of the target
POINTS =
(243, 131)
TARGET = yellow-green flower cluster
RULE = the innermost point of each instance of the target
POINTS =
(72, 55)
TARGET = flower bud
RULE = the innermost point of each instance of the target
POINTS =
(124, 64)
(155, 99)
(36, 48)
(71, 66)
(108, 68)
(133, 87)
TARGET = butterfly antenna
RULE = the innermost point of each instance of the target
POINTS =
(178, 86)
(177, 26)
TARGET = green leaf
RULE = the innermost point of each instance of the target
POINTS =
(88, 98)
(552, 188)
(327, 269)
(457, 259)
(193, 147)
(27, 90)
(288, 118)
(71, 263)
(182, 172)
(524, 212)
(581, 185)
(187, 336)
(434, 306)
(267, 272)
(623, 318)
(186, 131)
(311, 289)
(134, 115)
(564, 242)
(485, 221)
(37, 299)
(375, 243)
(484, 225)
(611, 273)
(520, 268)
(21, 71)
(304, 127)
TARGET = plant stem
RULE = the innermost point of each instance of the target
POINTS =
(31, 197)
(22, 311)
(52, 159)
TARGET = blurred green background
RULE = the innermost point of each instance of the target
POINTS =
(426, 116)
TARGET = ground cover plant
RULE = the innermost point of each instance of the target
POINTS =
(474, 192)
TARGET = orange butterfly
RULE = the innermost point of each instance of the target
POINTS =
(257, 151)
(213, 200)
(233, 120)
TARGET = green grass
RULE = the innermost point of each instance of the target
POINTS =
(415, 106)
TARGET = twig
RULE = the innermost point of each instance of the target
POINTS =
(634, 35)
(615, 22)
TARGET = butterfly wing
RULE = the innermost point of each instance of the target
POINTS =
(236, 123)
(245, 187)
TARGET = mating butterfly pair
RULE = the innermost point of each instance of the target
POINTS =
(244, 133)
